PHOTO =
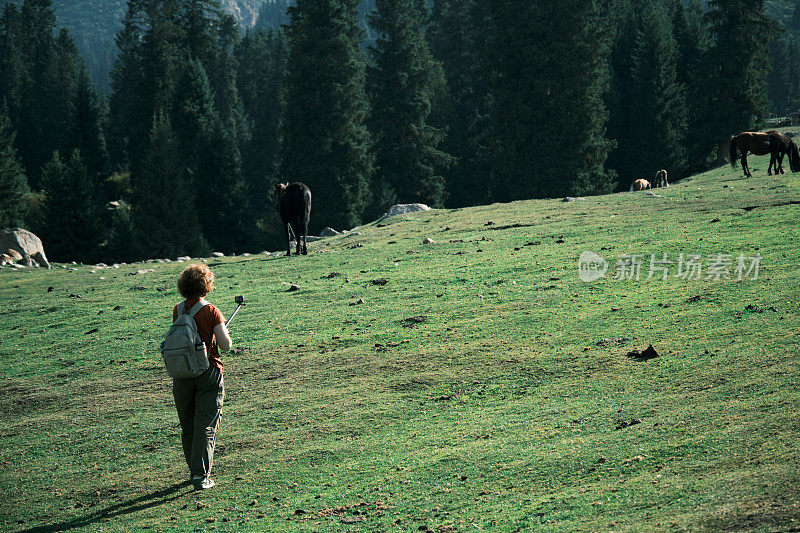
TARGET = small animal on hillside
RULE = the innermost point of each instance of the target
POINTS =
(661, 179)
(293, 203)
(640, 185)
(781, 145)
(757, 143)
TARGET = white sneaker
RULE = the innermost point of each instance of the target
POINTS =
(202, 483)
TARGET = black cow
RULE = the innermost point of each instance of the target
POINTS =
(293, 202)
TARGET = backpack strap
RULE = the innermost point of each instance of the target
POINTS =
(197, 307)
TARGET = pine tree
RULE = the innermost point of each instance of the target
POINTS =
(794, 22)
(261, 61)
(793, 75)
(13, 183)
(549, 84)
(165, 222)
(736, 66)
(325, 143)
(653, 135)
(72, 231)
(693, 39)
(459, 35)
(85, 131)
(778, 77)
(402, 87)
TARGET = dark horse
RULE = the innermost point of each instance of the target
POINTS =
(759, 143)
(293, 202)
(783, 145)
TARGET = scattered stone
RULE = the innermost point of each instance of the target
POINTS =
(332, 275)
(380, 281)
(695, 298)
(428, 240)
(715, 220)
(217, 254)
(360, 301)
(572, 199)
(184, 258)
(117, 308)
(402, 209)
(622, 424)
(490, 223)
(415, 319)
(329, 232)
(138, 288)
(293, 287)
(93, 330)
(300, 511)
(50, 289)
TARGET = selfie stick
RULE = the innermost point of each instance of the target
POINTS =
(239, 300)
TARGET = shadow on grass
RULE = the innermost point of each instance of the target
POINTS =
(131, 506)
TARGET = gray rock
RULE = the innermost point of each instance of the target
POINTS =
(329, 232)
(572, 199)
(184, 258)
(28, 245)
(402, 209)
(428, 240)
(217, 254)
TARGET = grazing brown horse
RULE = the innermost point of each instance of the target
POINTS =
(293, 202)
(782, 145)
(756, 143)
(640, 185)
(661, 179)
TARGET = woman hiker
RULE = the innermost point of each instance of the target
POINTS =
(199, 399)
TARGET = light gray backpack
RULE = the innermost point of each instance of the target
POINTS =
(183, 351)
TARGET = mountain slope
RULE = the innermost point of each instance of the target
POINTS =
(469, 384)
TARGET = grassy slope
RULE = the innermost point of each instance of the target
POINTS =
(501, 408)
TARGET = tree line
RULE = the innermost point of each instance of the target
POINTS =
(454, 103)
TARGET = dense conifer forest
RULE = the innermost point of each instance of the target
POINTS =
(452, 103)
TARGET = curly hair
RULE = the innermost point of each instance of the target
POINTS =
(195, 281)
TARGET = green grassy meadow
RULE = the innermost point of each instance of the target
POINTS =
(508, 404)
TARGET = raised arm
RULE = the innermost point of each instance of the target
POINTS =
(224, 342)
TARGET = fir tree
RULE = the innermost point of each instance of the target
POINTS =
(72, 231)
(653, 135)
(325, 142)
(85, 131)
(659, 109)
(165, 222)
(693, 39)
(549, 84)
(13, 183)
(736, 66)
(402, 87)
(261, 61)
(459, 35)
(778, 77)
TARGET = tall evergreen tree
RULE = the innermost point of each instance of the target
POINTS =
(85, 131)
(793, 75)
(402, 87)
(261, 62)
(778, 76)
(653, 132)
(325, 140)
(693, 39)
(13, 183)
(165, 222)
(459, 35)
(736, 66)
(549, 85)
(70, 216)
